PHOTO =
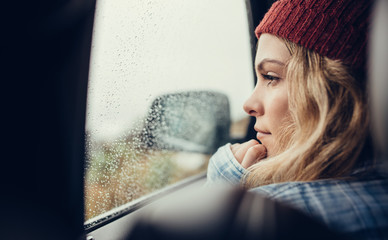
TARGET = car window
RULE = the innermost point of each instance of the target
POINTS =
(166, 86)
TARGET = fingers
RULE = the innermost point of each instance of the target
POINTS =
(240, 150)
(253, 155)
(248, 153)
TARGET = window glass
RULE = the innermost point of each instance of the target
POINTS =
(167, 83)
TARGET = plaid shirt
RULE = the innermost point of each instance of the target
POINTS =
(357, 208)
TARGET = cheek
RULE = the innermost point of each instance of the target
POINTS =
(280, 116)
(279, 111)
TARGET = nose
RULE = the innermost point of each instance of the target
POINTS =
(254, 105)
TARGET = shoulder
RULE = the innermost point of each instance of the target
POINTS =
(368, 186)
(307, 194)
(344, 205)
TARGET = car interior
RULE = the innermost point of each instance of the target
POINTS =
(47, 51)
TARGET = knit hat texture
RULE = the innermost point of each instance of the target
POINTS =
(336, 29)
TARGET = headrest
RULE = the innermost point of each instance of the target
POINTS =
(378, 77)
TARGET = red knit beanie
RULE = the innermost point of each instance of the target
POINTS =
(336, 29)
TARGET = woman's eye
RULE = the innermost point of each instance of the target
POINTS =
(270, 78)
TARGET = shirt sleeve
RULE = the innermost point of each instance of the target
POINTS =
(224, 168)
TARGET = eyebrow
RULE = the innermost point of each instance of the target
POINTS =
(270, 60)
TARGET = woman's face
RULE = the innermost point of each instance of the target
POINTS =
(269, 101)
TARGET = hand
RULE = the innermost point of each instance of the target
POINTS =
(248, 153)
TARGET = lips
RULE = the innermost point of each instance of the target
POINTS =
(261, 133)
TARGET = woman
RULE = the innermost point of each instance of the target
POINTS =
(312, 119)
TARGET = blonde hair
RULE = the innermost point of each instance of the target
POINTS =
(328, 123)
